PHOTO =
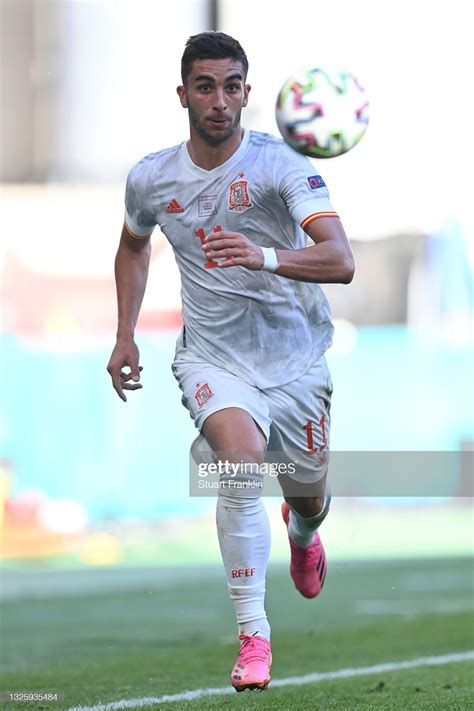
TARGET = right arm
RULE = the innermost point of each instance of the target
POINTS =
(131, 272)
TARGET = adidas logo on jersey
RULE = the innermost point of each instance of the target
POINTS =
(174, 206)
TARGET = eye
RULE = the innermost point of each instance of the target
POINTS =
(232, 87)
(205, 88)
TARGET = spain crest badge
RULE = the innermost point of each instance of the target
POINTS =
(239, 197)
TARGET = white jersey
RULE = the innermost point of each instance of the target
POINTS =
(265, 328)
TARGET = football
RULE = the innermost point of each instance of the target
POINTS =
(322, 112)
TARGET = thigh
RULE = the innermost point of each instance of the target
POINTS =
(233, 432)
(300, 413)
(230, 413)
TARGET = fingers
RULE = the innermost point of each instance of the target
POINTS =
(233, 262)
(227, 248)
(135, 371)
(117, 384)
(221, 235)
(227, 252)
(234, 249)
(131, 386)
(132, 375)
(120, 383)
(230, 253)
(218, 245)
(120, 379)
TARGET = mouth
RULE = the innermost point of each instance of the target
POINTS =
(219, 123)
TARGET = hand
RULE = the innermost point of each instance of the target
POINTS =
(234, 249)
(125, 354)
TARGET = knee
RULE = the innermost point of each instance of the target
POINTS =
(307, 506)
(237, 455)
(235, 501)
(241, 484)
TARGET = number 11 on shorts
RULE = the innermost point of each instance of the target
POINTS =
(309, 435)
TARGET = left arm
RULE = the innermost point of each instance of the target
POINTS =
(329, 260)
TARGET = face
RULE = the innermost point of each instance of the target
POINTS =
(214, 95)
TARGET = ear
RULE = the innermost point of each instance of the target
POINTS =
(181, 91)
(247, 89)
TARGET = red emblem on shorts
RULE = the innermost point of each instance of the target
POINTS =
(203, 395)
(239, 198)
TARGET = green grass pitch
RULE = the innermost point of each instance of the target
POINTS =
(100, 636)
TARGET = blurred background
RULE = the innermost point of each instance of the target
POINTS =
(88, 88)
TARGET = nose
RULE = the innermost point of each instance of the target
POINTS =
(219, 100)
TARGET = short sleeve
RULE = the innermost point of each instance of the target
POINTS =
(139, 219)
(302, 188)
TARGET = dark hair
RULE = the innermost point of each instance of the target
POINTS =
(211, 45)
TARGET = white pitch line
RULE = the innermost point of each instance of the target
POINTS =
(288, 681)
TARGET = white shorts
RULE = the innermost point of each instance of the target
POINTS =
(295, 418)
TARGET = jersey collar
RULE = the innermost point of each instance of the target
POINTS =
(220, 169)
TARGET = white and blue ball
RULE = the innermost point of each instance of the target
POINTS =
(322, 112)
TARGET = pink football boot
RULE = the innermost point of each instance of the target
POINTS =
(252, 668)
(308, 565)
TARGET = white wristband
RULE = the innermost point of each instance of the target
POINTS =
(270, 261)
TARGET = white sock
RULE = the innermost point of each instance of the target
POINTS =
(259, 628)
(244, 538)
(301, 530)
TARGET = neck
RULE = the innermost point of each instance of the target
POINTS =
(207, 156)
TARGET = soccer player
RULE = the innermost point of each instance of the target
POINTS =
(235, 206)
